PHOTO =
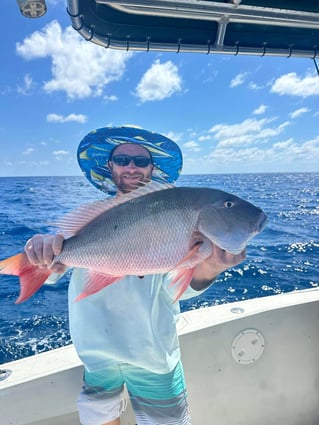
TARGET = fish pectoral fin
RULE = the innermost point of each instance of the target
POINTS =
(95, 282)
(183, 272)
(31, 277)
(201, 249)
(182, 278)
(189, 256)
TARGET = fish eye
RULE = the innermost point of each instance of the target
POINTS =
(228, 204)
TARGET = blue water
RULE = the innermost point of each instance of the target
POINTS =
(284, 257)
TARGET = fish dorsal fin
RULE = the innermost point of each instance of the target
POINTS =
(71, 223)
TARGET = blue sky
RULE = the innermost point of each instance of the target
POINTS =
(228, 114)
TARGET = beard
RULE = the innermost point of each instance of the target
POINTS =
(127, 182)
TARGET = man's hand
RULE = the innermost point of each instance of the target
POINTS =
(41, 249)
(219, 261)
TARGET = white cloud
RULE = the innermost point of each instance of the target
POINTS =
(294, 85)
(28, 151)
(79, 68)
(111, 98)
(279, 156)
(80, 118)
(203, 138)
(27, 85)
(194, 146)
(260, 110)
(159, 82)
(246, 133)
(238, 80)
(298, 112)
(255, 144)
(41, 164)
(253, 86)
(60, 154)
(291, 150)
(176, 137)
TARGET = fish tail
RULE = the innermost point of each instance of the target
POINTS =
(31, 277)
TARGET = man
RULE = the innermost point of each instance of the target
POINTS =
(126, 333)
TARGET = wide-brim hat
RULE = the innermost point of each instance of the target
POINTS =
(95, 149)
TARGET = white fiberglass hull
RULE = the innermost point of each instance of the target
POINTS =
(246, 363)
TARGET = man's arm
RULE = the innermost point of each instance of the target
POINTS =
(209, 269)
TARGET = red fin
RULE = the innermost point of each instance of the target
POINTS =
(190, 255)
(31, 277)
(182, 279)
(183, 272)
(96, 282)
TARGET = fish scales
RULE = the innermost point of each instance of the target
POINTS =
(156, 229)
(151, 233)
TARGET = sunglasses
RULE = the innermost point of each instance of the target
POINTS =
(124, 160)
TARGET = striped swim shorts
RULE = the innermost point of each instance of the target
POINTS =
(157, 399)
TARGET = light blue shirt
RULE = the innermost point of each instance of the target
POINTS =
(131, 321)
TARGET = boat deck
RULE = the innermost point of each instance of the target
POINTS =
(250, 362)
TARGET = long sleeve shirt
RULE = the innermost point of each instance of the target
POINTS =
(131, 321)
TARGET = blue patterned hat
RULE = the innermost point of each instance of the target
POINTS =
(95, 149)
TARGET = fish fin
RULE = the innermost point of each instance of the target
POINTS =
(71, 223)
(189, 255)
(182, 278)
(183, 272)
(31, 277)
(96, 282)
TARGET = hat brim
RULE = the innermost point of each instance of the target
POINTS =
(95, 149)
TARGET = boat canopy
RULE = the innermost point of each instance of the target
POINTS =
(249, 27)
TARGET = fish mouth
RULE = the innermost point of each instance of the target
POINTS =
(261, 222)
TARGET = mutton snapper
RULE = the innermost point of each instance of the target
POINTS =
(154, 229)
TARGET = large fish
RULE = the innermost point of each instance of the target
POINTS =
(154, 229)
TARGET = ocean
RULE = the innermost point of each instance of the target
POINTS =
(283, 258)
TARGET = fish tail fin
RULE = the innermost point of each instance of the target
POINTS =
(31, 277)
(96, 282)
(182, 278)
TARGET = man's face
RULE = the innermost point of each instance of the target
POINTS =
(128, 177)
